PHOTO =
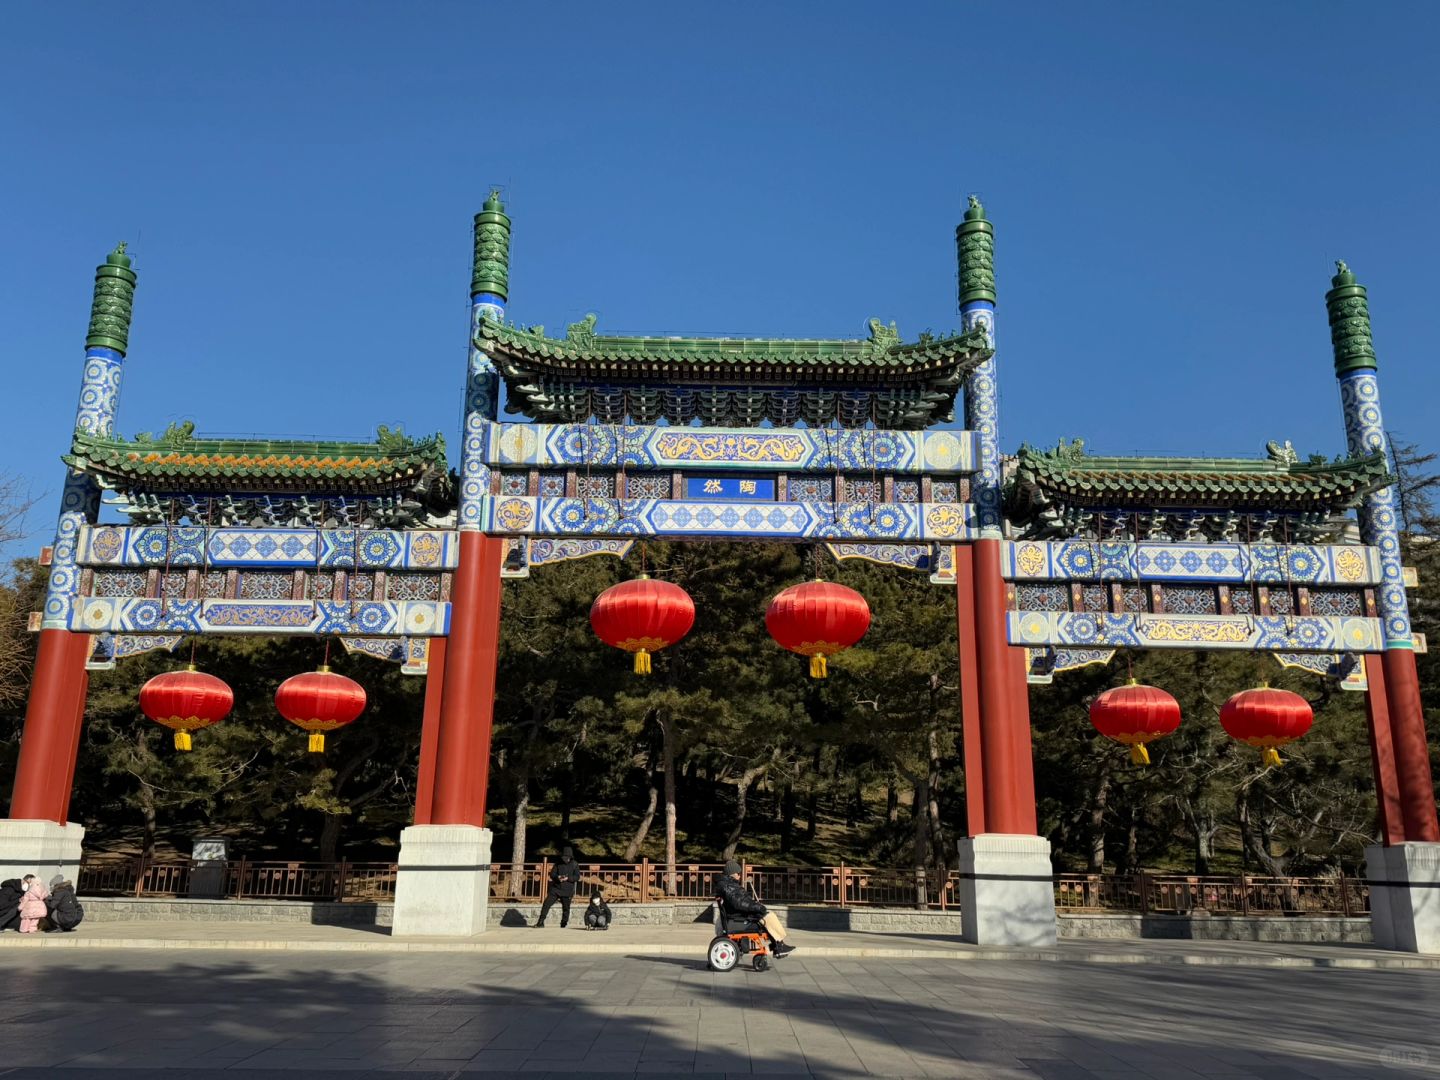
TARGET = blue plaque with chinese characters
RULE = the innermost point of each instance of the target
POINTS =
(708, 488)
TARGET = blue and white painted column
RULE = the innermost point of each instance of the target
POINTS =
(105, 346)
(1355, 368)
(1405, 877)
(443, 887)
(1005, 884)
(975, 242)
(36, 837)
(489, 289)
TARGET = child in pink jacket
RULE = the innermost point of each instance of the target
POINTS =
(32, 904)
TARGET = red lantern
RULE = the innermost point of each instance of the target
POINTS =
(1266, 719)
(186, 701)
(1135, 715)
(817, 619)
(320, 701)
(642, 616)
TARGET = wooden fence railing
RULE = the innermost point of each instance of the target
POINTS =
(1154, 892)
(1147, 892)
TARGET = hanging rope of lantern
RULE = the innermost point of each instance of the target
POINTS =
(642, 616)
(1134, 715)
(1266, 719)
(186, 701)
(320, 701)
(817, 619)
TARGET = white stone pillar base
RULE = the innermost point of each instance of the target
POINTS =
(1405, 896)
(443, 887)
(1007, 890)
(43, 848)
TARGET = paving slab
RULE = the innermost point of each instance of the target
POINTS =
(690, 941)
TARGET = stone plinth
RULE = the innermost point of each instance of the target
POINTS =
(43, 848)
(443, 885)
(1007, 893)
(1405, 896)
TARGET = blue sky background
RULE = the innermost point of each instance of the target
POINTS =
(1169, 184)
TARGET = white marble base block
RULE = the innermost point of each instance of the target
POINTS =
(1405, 896)
(1007, 891)
(443, 887)
(43, 848)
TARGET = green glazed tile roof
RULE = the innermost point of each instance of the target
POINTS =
(180, 461)
(582, 354)
(1280, 482)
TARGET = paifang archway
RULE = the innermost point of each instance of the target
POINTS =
(1057, 557)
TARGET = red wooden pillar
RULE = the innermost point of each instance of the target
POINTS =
(1020, 732)
(969, 689)
(1004, 707)
(78, 698)
(430, 730)
(1412, 752)
(51, 736)
(1382, 754)
(462, 767)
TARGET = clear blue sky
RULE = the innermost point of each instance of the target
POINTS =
(1169, 184)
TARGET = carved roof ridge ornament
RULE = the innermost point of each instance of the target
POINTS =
(1283, 453)
(581, 334)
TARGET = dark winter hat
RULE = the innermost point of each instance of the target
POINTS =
(566, 853)
(732, 867)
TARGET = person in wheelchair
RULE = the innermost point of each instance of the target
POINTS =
(739, 904)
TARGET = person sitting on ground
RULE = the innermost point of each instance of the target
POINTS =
(737, 901)
(597, 912)
(32, 904)
(563, 877)
(65, 911)
(10, 892)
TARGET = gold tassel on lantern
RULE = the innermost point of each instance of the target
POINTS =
(1271, 756)
(1138, 754)
(182, 740)
(642, 662)
(317, 742)
(819, 669)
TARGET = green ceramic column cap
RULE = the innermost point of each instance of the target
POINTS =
(975, 246)
(114, 298)
(1349, 312)
(491, 271)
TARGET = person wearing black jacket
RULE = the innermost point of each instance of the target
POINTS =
(10, 893)
(563, 877)
(737, 901)
(65, 910)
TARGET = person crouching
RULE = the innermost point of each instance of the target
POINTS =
(32, 904)
(65, 911)
(597, 912)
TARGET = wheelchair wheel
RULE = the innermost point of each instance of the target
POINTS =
(761, 963)
(723, 954)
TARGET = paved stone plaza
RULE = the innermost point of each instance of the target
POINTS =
(255, 1014)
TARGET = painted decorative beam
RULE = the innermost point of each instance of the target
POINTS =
(1092, 560)
(267, 549)
(515, 515)
(1258, 633)
(105, 649)
(411, 653)
(393, 618)
(903, 556)
(799, 449)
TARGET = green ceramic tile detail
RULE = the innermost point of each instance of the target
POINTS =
(114, 299)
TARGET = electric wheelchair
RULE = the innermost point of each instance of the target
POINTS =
(736, 936)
